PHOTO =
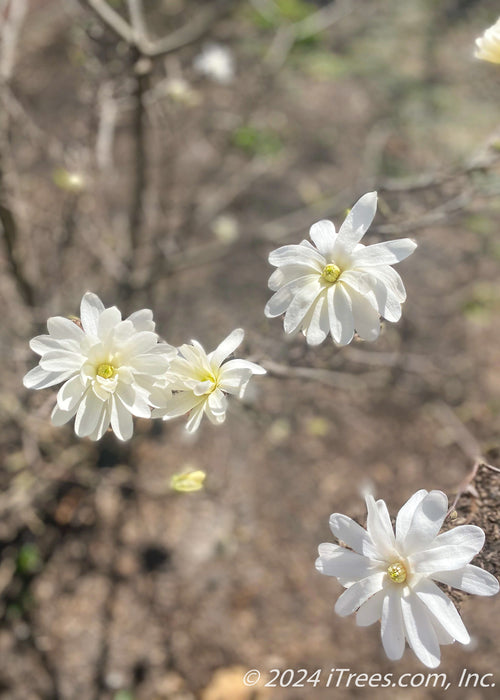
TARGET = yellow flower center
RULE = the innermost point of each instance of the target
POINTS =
(106, 371)
(397, 572)
(331, 273)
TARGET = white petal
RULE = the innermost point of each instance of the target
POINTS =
(449, 551)
(357, 222)
(102, 423)
(300, 305)
(339, 561)
(121, 419)
(224, 349)
(348, 531)
(202, 388)
(91, 308)
(215, 407)
(123, 332)
(150, 364)
(405, 515)
(195, 418)
(426, 522)
(386, 253)
(443, 609)
(392, 629)
(365, 317)
(233, 365)
(59, 417)
(133, 400)
(470, 579)
(280, 301)
(38, 378)
(391, 279)
(442, 635)
(178, 405)
(379, 527)
(70, 394)
(61, 361)
(298, 255)
(88, 414)
(371, 610)
(139, 343)
(384, 299)
(142, 320)
(289, 273)
(420, 633)
(355, 595)
(108, 320)
(340, 315)
(316, 324)
(45, 343)
(323, 234)
(64, 329)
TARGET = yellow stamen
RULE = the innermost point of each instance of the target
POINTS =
(331, 273)
(397, 572)
(105, 371)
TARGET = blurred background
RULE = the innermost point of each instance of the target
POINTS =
(154, 153)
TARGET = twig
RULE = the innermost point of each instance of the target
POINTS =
(340, 380)
(9, 35)
(189, 33)
(10, 237)
(113, 20)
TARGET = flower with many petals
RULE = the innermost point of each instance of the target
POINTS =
(488, 45)
(392, 577)
(108, 366)
(338, 285)
(200, 382)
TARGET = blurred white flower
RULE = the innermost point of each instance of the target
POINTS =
(216, 62)
(391, 577)
(488, 45)
(201, 382)
(338, 285)
(108, 367)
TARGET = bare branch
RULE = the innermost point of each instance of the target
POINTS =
(113, 20)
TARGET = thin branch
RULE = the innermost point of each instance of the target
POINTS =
(113, 20)
(339, 380)
(10, 236)
(188, 34)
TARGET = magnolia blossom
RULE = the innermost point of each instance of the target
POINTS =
(216, 62)
(488, 45)
(391, 577)
(338, 285)
(201, 382)
(108, 367)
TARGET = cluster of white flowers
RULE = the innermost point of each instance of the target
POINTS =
(391, 577)
(113, 369)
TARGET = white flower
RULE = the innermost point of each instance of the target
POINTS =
(216, 62)
(488, 45)
(391, 577)
(338, 285)
(201, 382)
(108, 367)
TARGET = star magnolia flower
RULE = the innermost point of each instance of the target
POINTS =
(391, 577)
(338, 285)
(488, 45)
(108, 367)
(201, 382)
